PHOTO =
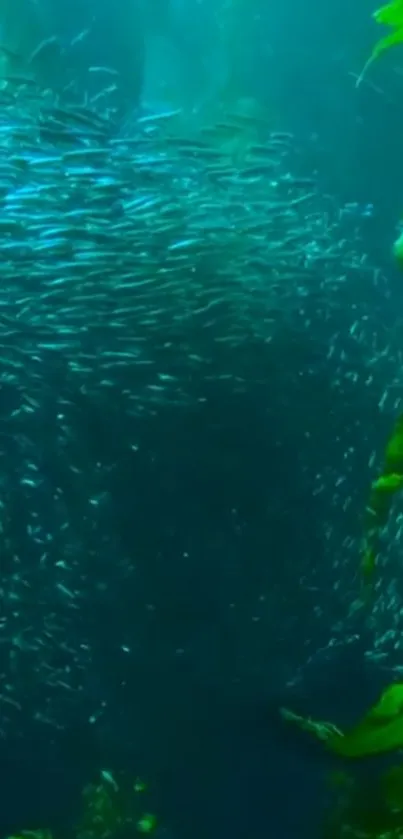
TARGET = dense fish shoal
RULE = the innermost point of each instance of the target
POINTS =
(140, 269)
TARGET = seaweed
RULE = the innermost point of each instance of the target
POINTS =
(366, 804)
(369, 807)
(389, 15)
(380, 731)
(382, 493)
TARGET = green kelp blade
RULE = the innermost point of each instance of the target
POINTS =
(388, 483)
(390, 703)
(392, 788)
(384, 44)
(368, 562)
(383, 490)
(379, 732)
(398, 250)
(368, 739)
(394, 447)
(391, 14)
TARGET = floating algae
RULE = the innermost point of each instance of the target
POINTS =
(381, 496)
(379, 732)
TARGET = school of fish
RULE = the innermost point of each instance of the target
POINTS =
(136, 266)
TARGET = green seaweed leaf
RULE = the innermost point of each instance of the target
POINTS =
(379, 732)
(390, 703)
(394, 449)
(388, 483)
(383, 490)
(389, 15)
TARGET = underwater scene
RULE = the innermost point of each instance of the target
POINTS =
(201, 419)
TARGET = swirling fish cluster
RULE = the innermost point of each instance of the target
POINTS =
(142, 237)
(133, 270)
